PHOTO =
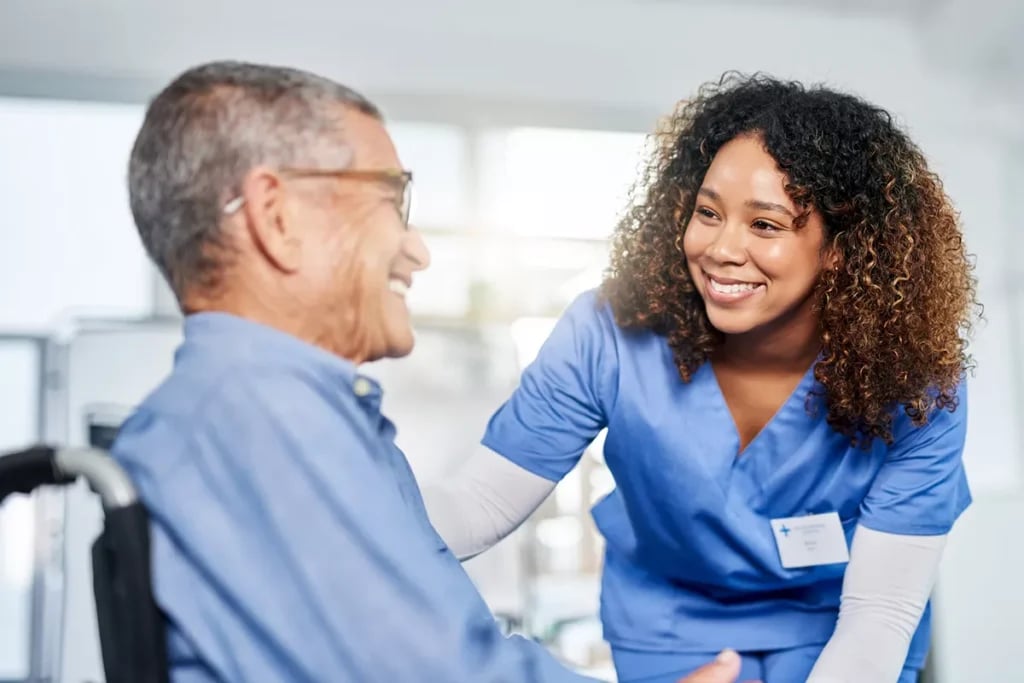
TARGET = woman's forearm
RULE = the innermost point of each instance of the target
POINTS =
(483, 502)
(885, 590)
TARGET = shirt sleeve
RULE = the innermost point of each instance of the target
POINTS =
(922, 487)
(284, 549)
(483, 502)
(564, 397)
(885, 591)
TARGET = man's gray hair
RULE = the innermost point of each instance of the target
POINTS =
(202, 134)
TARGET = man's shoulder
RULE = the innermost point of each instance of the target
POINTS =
(192, 389)
(187, 392)
(187, 400)
(157, 432)
(195, 399)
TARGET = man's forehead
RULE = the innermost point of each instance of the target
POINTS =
(368, 140)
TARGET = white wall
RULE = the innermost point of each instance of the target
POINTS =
(980, 596)
(977, 599)
(975, 168)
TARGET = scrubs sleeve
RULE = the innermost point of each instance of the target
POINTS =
(298, 555)
(565, 395)
(922, 487)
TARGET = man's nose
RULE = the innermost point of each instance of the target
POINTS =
(415, 249)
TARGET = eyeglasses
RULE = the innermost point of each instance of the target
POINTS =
(400, 180)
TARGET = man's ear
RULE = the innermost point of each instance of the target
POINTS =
(267, 219)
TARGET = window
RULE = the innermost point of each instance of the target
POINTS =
(438, 156)
(555, 182)
(69, 239)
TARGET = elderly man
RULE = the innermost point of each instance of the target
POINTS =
(290, 542)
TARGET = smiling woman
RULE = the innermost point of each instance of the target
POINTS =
(777, 354)
(863, 208)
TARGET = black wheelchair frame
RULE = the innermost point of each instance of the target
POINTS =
(131, 626)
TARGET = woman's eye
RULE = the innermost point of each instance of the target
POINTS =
(765, 226)
(705, 212)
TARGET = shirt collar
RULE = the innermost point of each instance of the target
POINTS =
(216, 333)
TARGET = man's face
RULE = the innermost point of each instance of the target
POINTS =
(356, 256)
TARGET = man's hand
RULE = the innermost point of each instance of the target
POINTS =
(725, 669)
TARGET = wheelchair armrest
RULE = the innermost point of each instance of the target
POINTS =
(104, 475)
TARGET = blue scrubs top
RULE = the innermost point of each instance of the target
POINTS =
(691, 562)
(289, 538)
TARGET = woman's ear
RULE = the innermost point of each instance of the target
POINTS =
(831, 257)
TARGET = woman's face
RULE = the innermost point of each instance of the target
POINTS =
(754, 268)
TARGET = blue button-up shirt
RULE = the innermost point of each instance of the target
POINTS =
(289, 539)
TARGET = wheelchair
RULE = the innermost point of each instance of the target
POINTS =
(131, 626)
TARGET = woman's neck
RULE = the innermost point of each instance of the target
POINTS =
(788, 348)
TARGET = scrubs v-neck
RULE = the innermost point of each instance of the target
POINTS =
(691, 563)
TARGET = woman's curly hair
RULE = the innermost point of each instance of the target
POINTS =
(896, 312)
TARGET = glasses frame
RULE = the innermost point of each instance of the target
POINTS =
(400, 178)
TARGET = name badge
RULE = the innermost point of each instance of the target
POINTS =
(810, 541)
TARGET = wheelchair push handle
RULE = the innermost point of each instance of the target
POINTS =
(24, 471)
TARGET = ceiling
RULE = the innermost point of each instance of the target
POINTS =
(616, 54)
(982, 38)
(914, 9)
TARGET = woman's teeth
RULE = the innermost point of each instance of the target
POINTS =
(734, 288)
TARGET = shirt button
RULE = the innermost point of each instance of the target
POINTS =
(362, 387)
